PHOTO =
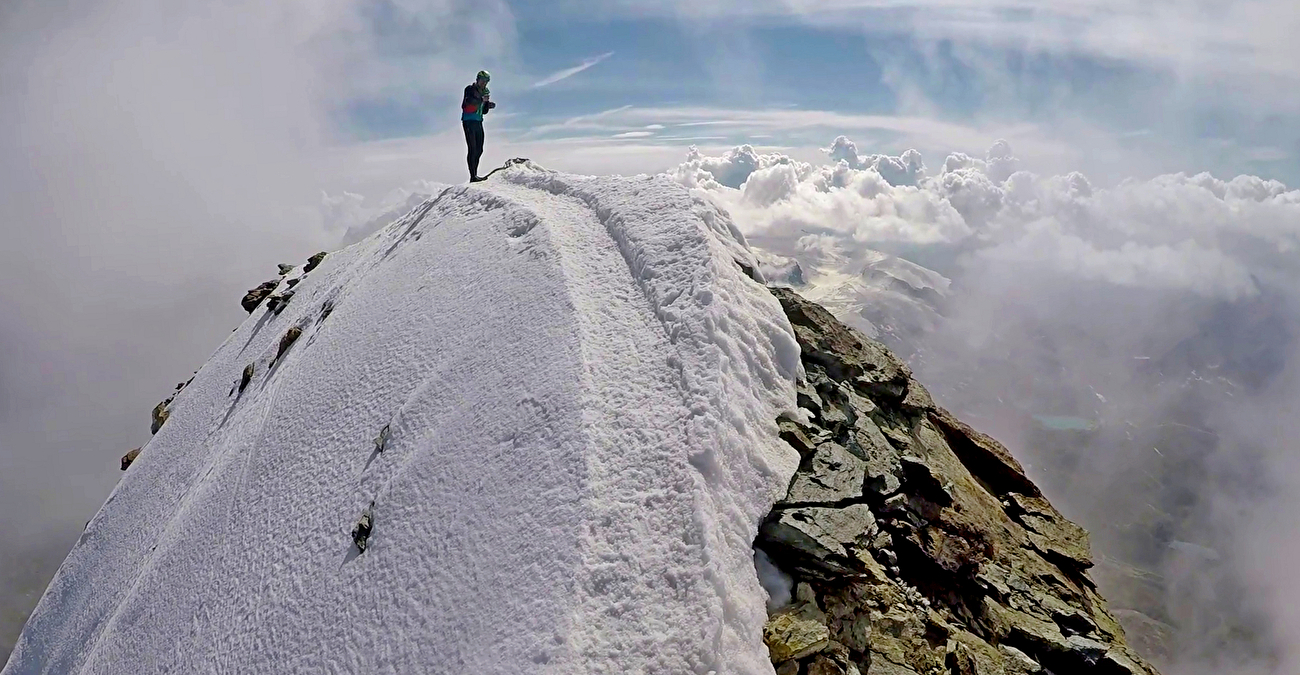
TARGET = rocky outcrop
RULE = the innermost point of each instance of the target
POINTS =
(255, 296)
(361, 531)
(159, 416)
(246, 376)
(314, 261)
(129, 458)
(917, 545)
(290, 336)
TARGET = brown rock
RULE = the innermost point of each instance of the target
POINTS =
(160, 415)
(290, 336)
(246, 377)
(255, 296)
(129, 457)
(795, 633)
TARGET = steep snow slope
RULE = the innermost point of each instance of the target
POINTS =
(580, 386)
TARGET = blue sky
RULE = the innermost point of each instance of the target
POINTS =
(1194, 92)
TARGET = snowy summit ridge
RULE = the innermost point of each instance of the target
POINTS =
(554, 395)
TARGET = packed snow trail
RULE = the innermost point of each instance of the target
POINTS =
(580, 386)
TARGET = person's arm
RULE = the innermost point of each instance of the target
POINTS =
(471, 102)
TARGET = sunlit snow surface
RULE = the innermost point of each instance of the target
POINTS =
(581, 386)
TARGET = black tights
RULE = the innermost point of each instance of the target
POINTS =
(473, 139)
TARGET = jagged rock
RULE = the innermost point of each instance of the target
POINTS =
(796, 632)
(292, 282)
(949, 559)
(285, 268)
(1049, 531)
(326, 309)
(833, 475)
(832, 538)
(314, 261)
(160, 415)
(361, 531)
(985, 458)
(290, 336)
(833, 660)
(969, 655)
(255, 296)
(884, 469)
(793, 433)
(246, 377)
(808, 399)
(788, 668)
(843, 352)
(129, 457)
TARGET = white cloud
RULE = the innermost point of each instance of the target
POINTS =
(1172, 232)
(1233, 36)
(570, 72)
(927, 135)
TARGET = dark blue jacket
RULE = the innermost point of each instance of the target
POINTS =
(474, 105)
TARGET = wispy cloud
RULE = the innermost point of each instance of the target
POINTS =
(570, 72)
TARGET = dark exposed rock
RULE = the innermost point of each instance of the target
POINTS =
(160, 415)
(129, 457)
(921, 542)
(381, 441)
(361, 531)
(314, 261)
(808, 398)
(822, 539)
(246, 377)
(291, 282)
(290, 336)
(255, 296)
(749, 271)
(285, 268)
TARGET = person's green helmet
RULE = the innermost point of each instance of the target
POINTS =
(484, 75)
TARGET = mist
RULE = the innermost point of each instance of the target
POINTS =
(157, 160)
(1133, 344)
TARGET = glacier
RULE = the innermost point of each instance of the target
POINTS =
(577, 384)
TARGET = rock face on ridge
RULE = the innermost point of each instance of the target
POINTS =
(916, 544)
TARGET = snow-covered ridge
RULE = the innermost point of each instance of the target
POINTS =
(579, 387)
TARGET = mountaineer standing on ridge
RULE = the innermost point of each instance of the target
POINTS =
(476, 103)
